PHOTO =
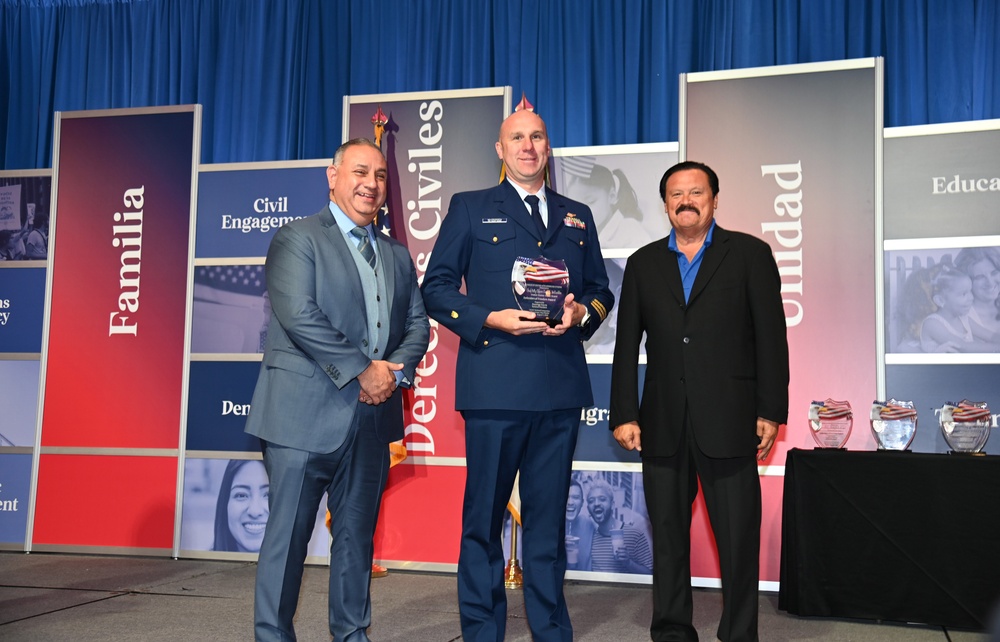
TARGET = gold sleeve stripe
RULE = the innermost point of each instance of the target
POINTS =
(599, 308)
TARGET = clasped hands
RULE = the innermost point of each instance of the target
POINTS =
(378, 382)
(519, 322)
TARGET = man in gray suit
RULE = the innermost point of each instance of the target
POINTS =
(347, 329)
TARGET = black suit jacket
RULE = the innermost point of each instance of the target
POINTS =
(723, 355)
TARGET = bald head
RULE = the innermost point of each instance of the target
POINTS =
(523, 147)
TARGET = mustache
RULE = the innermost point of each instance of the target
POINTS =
(687, 208)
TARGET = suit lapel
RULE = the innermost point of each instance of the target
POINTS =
(342, 249)
(670, 270)
(557, 213)
(710, 261)
(388, 260)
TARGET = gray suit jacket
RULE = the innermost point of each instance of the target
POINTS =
(307, 390)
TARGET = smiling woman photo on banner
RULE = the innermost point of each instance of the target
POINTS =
(241, 510)
(226, 509)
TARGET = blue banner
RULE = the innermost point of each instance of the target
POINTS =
(15, 480)
(22, 302)
(218, 405)
(596, 441)
(239, 210)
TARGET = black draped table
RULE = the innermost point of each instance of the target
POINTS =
(898, 536)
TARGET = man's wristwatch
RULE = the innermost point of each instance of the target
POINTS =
(586, 318)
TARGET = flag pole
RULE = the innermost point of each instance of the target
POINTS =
(512, 573)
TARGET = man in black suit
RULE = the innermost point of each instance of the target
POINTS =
(716, 390)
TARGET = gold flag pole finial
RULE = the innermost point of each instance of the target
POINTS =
(379, 120)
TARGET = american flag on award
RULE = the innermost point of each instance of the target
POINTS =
(966, 425)
(540, 285)
(831, 422)
(893, 424)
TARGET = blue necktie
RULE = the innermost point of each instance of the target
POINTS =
(366, 249)
(536, 214)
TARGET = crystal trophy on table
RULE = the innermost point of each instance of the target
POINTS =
(831, 422)
(893, 423)
(965, 425)
(540, 285)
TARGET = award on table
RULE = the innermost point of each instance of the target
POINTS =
(831, 422)
(540, 285)
(894, 423)
(965, 425)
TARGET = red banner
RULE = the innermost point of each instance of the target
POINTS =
(114, 362)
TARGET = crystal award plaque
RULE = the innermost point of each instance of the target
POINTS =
(831, 422)
(893, 423)
(965, 425)
(540, 285)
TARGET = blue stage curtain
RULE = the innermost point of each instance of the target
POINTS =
(272, 74)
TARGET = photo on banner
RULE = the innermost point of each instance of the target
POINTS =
(943, 301)
(601, 346)
(602, 342)
(25, 198)
(608, 535)
(231, 309)
(226, 508)
(19, 388)
(620, 184)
